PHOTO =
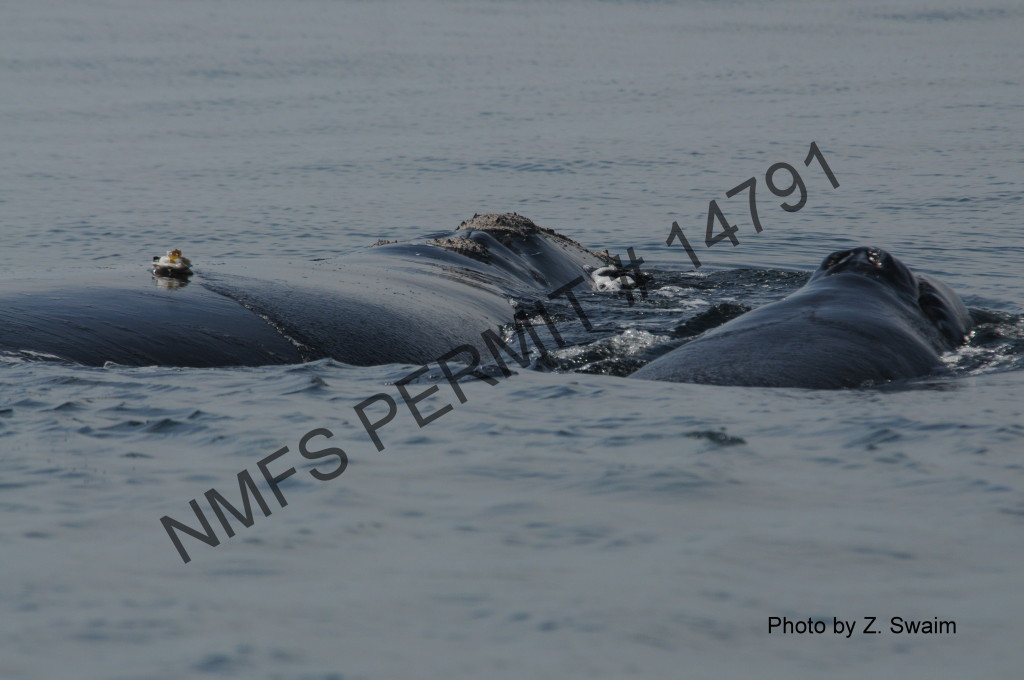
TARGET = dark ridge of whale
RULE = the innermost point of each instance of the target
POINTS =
(394, 303)
(862, 319)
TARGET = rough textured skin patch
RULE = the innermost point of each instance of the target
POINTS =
(462, 246)
(508, 227)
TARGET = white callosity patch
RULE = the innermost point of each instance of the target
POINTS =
(611, 279)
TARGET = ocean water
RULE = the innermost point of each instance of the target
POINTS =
(567, 522)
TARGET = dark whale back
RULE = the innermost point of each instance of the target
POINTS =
(125, 317)
(863, 318)
(413, 302)
(395, 303)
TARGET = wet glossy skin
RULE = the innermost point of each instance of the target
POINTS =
(128, 318)
(862, 319)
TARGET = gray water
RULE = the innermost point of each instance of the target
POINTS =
(561, 523)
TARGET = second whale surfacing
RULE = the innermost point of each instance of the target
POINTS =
(862, 319)
(394, 303)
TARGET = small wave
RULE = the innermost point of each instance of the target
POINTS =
(22, 356)
(616, 355)
(949, 15)
(996, 344)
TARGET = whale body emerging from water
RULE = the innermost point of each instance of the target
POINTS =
(393, 303)
(862, 319)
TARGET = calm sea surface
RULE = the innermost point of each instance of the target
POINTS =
(564, 523)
